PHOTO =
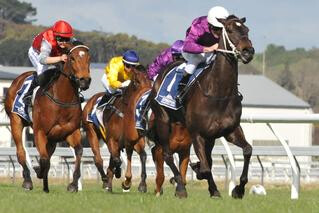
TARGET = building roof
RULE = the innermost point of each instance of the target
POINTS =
(258, 91)
(7, 75)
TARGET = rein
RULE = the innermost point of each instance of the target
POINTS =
(218, 98)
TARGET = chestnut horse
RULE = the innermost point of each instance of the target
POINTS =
(179, 142)
(212, 108)
(56, 115)
(120, 132)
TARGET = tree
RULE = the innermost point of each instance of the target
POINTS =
(18, 12)
(285, 78)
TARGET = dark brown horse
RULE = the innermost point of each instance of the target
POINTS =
(212, 108)
(56, 115)
(120, 132)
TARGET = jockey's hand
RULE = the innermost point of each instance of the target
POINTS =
(211, 48)
(125, 83)
(64, 57)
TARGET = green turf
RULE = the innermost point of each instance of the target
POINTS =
(93, 199)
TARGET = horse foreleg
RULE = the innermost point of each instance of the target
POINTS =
(238, 138)
(114, 150)
(110, 174)
(95, 146)
(202, 167)
(74, 141)
(157, 154)
(43, 148)
(139, 148)
(126, 185)
(16, 130)
(212, 187)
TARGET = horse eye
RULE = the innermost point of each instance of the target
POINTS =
(72, 59)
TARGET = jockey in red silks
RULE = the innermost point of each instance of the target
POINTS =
(201, 41)
(46, 50)
(166, 57)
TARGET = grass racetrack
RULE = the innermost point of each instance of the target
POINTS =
(94, 199)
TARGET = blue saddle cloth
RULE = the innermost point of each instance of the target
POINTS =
(19, 106)
(167, 93)
(139, 124)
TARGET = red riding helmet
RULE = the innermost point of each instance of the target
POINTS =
(63, 29)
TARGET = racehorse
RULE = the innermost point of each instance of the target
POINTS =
(56, 115)
(212, 108)
(120, 132)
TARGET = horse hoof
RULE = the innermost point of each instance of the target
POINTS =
(27, 185)
(37, 171)
(126, 190)
(118, 172)
(181, 194)
(215, 194)
(172, 181)
(142, 188)
(126, 187)
(46, 190)
(157, 194)
(104, 185)
(238, 192)
(72, 188)
(108, 189)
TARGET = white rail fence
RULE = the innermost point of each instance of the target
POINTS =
(225, 150)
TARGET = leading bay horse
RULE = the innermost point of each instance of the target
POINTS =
(120, 132)
(212, 107)
(56, 115)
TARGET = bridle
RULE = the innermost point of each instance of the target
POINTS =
(226, 40)
(74, 80)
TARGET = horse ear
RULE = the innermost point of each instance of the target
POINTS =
(222, 20)
(243, 20)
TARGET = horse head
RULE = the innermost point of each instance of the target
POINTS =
(235, 37)
(139, 78)
(77, 66)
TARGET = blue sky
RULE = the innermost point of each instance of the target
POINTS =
(290, 23)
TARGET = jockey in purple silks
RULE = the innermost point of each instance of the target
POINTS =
(201, 41)
(166, 57)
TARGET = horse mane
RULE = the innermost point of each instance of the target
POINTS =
(232, 17)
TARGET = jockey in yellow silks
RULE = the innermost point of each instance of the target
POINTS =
(118, 74)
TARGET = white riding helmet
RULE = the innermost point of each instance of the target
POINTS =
(217, 12)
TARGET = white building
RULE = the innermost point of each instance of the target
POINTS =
(261, 95)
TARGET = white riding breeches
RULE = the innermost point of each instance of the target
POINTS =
(106, 85)
(35, 60)
(194, 59)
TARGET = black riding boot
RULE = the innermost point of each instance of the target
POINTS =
(27, 99)
(181, 86)
(145, 108)
(105, 98)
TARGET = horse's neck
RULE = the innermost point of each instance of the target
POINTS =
(63, 90)
(133, 97)
(221, 79)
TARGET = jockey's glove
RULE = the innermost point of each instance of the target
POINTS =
(125, 83)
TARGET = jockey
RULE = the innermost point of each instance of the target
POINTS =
(201, 41)
(47, 49)
(118, 74)
(166, 57)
